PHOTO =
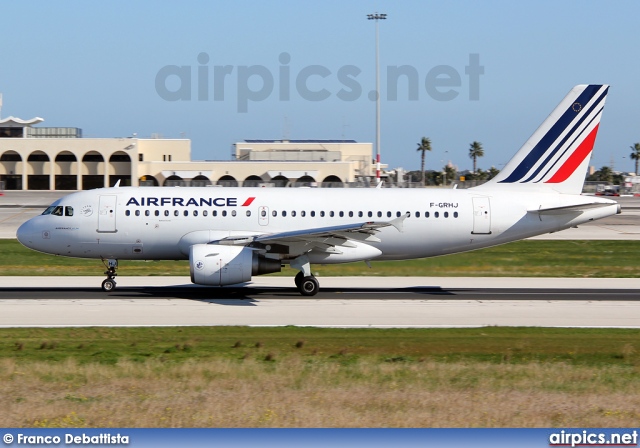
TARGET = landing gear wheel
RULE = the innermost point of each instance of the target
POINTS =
(108, 285)
(298, 279)
(309, 286)
(112, 266)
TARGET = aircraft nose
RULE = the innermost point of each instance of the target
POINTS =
(27, 234)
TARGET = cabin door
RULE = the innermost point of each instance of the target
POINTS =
(107, 214)
(481, 216)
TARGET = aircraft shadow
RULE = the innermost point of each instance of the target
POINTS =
(251, 295)
(228, 296)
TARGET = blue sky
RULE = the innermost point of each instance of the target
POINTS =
(97, 66)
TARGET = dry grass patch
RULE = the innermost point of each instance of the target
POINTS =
(303, 392)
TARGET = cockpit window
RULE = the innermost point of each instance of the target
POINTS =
(57, 210)
(49, 210)
(68, 211)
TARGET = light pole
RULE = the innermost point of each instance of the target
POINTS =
(377, 17)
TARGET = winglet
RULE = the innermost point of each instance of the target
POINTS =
(398, 223)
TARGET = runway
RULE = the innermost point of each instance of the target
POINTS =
(357, 302)
(342, 302)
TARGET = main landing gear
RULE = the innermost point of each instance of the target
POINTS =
(307, 284)
(111, 265)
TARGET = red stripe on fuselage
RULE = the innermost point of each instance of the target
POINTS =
(248, 202)
(575, 159)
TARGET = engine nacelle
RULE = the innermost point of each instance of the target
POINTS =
(218, 265)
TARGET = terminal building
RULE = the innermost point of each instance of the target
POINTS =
(58, 158)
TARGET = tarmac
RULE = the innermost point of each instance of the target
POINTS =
(78, 302)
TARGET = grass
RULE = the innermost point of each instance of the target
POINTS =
(309, 377)
(106, 345)
(530, 258)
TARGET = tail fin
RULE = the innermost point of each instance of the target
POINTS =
(556, 156)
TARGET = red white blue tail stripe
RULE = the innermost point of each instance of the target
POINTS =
(559, 150)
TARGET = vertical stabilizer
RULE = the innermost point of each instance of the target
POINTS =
(556, 156)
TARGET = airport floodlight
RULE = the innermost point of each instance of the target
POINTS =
(377, 17)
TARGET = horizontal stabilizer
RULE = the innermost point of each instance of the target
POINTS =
(570, 208)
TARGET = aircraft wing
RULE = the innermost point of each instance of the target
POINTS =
(569, 208)
(317, 238)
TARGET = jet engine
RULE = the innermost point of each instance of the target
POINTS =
(218, 265)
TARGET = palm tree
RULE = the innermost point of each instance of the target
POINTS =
(475, 151)
(635, 155)
(449, 173)
(605, 174)
(493, 172)
(424, 145)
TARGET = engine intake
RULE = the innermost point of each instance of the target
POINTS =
(218, 265)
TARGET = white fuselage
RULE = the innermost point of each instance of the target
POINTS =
(154, 223)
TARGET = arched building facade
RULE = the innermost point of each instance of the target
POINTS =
(34, 158)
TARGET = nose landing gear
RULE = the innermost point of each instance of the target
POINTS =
(111, 265)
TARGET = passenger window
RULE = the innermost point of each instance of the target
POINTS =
(214, 213)
(426, 214)
(205, 213)
(68, 211)
(127, 212)
(137, 212)
(370, 214)
(293, 213)
(388, 214)
(274, 213)
(195, 213)
(233, 213)
(322, 214)
(313, 213)
(436, 214)
(303, 213)
(249, 213)
(446, 214)
(263, 213)
(331, 214)
(284, 213)
(186, 213)
(176, 213)
(341, 214)
(224, 213)
(147, 213)
(379, 214)
(166, 213)
(455, 214)
(417, 214)
(157, 213)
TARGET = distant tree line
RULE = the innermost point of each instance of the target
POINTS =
(448, 174)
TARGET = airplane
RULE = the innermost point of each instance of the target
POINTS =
(231, 234)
